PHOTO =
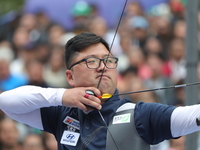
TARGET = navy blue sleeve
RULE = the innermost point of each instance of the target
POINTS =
(153, 121)
(52, 118)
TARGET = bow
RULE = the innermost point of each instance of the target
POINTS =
(104, 70)
(148, 90)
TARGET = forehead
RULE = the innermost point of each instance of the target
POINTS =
(97, 50)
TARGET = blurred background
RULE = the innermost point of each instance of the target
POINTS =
(150, 45)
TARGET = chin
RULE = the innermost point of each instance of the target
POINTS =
(104, 89)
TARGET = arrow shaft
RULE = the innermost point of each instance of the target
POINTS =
(162, 88)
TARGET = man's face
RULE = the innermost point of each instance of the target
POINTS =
(81, 76)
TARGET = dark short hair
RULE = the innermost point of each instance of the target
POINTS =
(79, 43)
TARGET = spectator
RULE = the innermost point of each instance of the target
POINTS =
(8, 80)
(163, 32)
(139, 30)
(138, 85)
(81, 12)
(43, 24)
(179, 30)
(137, 59)
(99, 26)
(177, 9)
(54, 70)
(42, 51)
(153, 46)
(134, 9)
(35, 73)
(55, 33)
(20, 39)
(33, 142)
(125, 43)
(157, 79)
(29, 22)
(25, 54)
(9, 135)
(50, 141)
(125, 78)
(175, 66)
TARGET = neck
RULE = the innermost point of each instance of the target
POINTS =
(103, 100)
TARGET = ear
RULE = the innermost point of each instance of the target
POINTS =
(69, 76)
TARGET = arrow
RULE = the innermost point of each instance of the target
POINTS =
(105, 96)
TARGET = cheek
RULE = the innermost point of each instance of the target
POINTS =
(84, 77)
(114, 75)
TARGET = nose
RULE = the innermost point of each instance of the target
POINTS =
(101, 66)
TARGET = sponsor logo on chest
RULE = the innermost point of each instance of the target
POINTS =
(70, 138)
(72, 122)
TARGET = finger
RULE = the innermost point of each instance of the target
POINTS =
(92, 102)
(86, 108)
(95, 91)
(83, 107)
(90, 95)
(94, 99)
(86, 95)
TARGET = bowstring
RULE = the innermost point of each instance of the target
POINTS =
(105, 67)
(113, 41)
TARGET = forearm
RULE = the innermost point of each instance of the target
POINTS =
(23, 104)
(183, 120)
(29, 98)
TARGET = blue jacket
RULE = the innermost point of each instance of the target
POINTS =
(152, 121)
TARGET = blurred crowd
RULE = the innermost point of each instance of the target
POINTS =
(150, 47)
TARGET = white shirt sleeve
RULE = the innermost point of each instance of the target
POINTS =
(23, 104)
(183, 120)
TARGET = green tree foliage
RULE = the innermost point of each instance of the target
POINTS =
(9, 5)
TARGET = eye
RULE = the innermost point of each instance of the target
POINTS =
(110, 60)
(91, 60)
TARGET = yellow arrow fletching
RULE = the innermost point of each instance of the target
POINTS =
(106, 96)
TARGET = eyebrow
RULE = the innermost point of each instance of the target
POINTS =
(105, 55)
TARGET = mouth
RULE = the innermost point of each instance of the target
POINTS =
(103, 76)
